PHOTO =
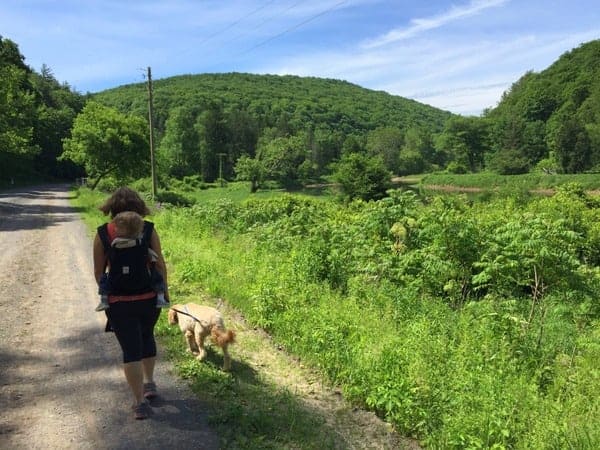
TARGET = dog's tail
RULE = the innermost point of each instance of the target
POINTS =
(173, 319)
(222, 337)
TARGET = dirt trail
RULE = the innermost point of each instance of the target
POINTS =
(61, 385)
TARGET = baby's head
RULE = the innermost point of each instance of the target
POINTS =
(128, 224)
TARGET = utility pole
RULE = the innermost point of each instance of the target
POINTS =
(221, 155)
(150, 121)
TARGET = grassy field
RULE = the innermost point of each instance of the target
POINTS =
(270, 400)
(465, 324)
(491, 181)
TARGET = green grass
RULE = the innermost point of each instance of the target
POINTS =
(323, 278)
(247, 409)
(530, 181)
(239, 191)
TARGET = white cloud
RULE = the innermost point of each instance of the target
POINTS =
(420, 25)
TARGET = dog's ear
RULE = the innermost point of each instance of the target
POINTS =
(172, 317)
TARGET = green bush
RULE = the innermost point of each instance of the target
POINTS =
(465, 325)
(173, 198)
(362, 177)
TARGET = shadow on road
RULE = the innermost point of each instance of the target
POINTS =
(26, 214)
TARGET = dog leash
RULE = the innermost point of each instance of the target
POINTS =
(189, 315)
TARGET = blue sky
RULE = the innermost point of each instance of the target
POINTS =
(456, 55)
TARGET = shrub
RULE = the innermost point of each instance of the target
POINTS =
(362, 177)
(173, 198)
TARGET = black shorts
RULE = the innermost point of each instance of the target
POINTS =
(133, 323)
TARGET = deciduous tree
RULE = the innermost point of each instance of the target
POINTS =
(107, 142)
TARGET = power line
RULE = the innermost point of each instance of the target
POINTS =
(222, 30)
(272, 38)
(234, 23)
(267, 20)
(295, 27)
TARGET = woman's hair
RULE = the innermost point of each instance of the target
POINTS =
(124, 199)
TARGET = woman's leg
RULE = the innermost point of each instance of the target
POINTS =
(134, 374)
(133, 324)
(127, 327)
(148, 369)
(149, 351)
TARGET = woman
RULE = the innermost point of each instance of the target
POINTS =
(132, 316)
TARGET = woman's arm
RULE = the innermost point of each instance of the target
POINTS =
(161, 266)
(99, 258)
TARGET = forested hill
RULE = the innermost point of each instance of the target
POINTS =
(553, 116)
(297, 103)
(571, 84)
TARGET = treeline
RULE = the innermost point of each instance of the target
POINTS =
(547, 121)
(36, 113)
(292, 128)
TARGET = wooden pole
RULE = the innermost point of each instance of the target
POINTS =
(150, 121)
(221, 155)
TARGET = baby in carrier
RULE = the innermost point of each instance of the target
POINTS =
(129, 228)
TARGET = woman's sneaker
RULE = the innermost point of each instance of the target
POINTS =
(150, 391)
(141, 411)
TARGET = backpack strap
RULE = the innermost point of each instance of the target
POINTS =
(103, 234)
(147, 232)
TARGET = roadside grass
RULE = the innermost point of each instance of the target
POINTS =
(248, 409)
(256, 405)
(235, 191)
(448, 376)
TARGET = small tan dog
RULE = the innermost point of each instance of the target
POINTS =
(199, 321)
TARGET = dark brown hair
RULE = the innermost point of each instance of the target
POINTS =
(124, 199)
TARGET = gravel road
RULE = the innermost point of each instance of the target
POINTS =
(61, 383)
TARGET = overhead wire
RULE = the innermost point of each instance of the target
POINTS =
(267, 20)
(231, 25)
(228, 27)
(295, 27)
(270, 39)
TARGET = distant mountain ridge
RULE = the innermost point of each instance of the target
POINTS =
(334, 104)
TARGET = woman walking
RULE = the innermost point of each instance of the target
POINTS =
(132, 312)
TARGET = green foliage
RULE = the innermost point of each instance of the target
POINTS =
(572, 146)
(508, 162)
(178, 151)
(308, 120)
(282, 158)
(107, 142)
(386, 143)
(36, 113)
(362, 177)
(250, 169)
(493, 181)
(16, 113)
(529, 253)
(551, 111)
(173, 198)
(466, 325)
(465, 141)
(289, 103)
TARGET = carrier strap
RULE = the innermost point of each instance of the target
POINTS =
(106, 240)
